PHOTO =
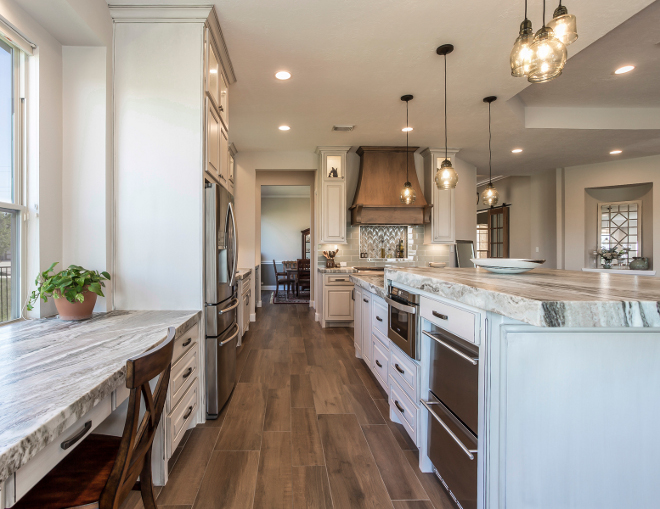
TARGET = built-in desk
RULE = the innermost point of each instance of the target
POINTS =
(56, 376)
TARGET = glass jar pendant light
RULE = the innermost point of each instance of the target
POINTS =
(408, 195)
(490, 196)
(521, 54)
(548, 55)
(446, 177)
(564, 25)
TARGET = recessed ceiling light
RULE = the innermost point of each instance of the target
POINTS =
(615, 152)
(624, 69)
(407, 129)
(283, 75)
(284, 128)
(517, 150)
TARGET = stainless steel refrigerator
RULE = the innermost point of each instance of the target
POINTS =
(221, 297)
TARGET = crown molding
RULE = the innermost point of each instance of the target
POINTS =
(432, 151)
(218, 40)
(339, 148)
(160, 13)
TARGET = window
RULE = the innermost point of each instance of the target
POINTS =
(11, 201)
(498, 232)
(482, 240)
(621, 228)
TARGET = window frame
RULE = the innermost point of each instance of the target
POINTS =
(639, 234)
(17, 206)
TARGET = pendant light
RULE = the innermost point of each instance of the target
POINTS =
(446, 177)
(490, 196)
(521, 54)
(408, 195)
(564, 25)
(548, 55)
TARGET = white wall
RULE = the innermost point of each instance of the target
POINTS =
(282, 220)
(84, 159)
(158, 182)
(616, 173)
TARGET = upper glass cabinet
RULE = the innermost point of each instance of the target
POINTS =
(334, 166)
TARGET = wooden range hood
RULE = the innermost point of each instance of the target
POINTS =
(377, 198)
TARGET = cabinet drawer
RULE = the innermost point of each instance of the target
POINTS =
(455, 320)
(404, 371)
(380, 361)
(46, 459)
(380, 315)
(185, 342)
(177, 422)
(404, 408)
(183, 373)
(246, 284)
(338, 279)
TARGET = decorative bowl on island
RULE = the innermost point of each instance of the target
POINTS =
(507, 265)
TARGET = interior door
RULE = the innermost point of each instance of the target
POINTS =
(498, 232)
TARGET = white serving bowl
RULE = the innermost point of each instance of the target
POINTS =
(507, 265)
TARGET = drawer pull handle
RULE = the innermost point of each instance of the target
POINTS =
(472, 360)
(398, 368)
(468, 452)
(365, 300)
(187, 342)
(190, 409)
(379, 318)
(188, 373)
(396, 403)
(340, 280)
(379, 364)
(75, 438)
(440, 315)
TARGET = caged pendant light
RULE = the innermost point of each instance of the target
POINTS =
(490, 196)
(548, 55)
(521, 54)
(564, 25)
(408, 195)
(446, 177)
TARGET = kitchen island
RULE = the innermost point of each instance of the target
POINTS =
(54, 373)
(568, 370)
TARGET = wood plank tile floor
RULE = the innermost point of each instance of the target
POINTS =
(307, 427)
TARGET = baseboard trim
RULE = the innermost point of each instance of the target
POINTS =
(253, 317)
(258, 304)
(317, 317)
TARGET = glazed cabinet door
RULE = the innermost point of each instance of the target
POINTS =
(338, 303)
(212, 141)
(224, 156)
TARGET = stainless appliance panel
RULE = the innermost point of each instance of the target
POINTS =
(220, 244)
(402, 320)
(220, 317)
(454, 375)
(220, 370)
(452, 449)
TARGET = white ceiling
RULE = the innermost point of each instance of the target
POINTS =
(285, 192)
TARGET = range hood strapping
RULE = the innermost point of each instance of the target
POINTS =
(377, 198)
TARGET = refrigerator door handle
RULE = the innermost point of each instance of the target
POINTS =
(232, 276)
(227, 309)
(230, 338)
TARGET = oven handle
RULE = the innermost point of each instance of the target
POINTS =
(471, 360)
(401, 307)
(469, 452)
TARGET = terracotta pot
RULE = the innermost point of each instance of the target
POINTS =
(76, 310)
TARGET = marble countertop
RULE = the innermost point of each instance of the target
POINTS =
(374, 283)
(545, 297)
(242, 273)
(336, 270)
(52, 372)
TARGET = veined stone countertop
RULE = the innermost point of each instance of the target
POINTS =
(337, 270)
(53, 372)
(545, 297)
(372, 283)
(243, 273)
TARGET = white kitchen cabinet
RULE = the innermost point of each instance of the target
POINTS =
(213, 165)
(365, 337)
(245, 299)
(224, 156)
(231, 169)
(332, 176)
(442, 229)
(338, 303)
(357, 321)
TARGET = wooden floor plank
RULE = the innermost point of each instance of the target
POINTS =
(299, 364)
(412, 504)
(399, 432)
(243, 425)
(369, 380)
(188, 471)
(398, 475)
(278, 410)
(431, 483)
(274, 483)
(362, 405)
(311, 489)
(355, 481)
(305, 439)
(328, 390)
(301, 391)
(230, 481)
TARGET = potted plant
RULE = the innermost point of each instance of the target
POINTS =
(74, 289)
(608, 255)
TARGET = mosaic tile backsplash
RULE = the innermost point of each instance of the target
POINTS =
(376, 241)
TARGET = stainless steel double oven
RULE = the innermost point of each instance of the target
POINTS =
(403, 320)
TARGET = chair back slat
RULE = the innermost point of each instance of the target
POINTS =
(138, 436)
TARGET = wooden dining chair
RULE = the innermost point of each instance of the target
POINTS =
(303, 277)
(281, 278)
(103, 469)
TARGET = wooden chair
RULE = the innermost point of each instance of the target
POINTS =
(103, 469)
(303, 275)
(281, 278)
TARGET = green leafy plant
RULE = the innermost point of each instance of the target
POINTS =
(69, 283)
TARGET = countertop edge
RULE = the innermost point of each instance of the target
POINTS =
(365, 283)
